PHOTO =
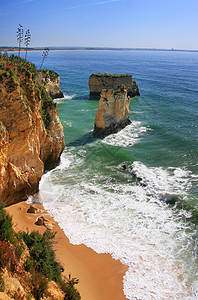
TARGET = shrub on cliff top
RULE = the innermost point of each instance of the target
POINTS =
(39, 285)
(6, 231)
(51, 74)
(7, 256)
(68, 287)
(15, 71)
(43, 256)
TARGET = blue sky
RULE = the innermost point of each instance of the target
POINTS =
(102, 23)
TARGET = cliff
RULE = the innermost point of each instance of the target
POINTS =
(98, 82)
(29, 267)
(31, 135)
(113, 111)
(51, 81)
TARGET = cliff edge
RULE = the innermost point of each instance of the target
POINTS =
(51, 81)
(31, 135)
(98, 82)
(113, 112)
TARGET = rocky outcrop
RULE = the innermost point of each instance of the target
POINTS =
(54, 291)
(98, 82)
(113, 112)
(51, 82)
(31, 135)
(13, 286)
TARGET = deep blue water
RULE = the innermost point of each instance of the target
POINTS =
(108, 209)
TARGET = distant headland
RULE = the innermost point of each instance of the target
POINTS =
(13, 49)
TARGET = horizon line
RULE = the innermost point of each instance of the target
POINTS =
(99, 48)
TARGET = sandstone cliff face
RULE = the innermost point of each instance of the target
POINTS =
(31, 135)
(113, 112)
(51, 82)
(98, 82)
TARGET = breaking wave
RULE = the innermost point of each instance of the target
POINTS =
(128, 136)
(128, 221)
(66, 97)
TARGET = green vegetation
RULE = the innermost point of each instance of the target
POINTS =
(52, 75)
(6, 231)
(39, 284)
(46, 102)
(11, 246)
(111, 75)
(42, 254)
(69, 289)
(38, 267)
(16, 67)
(7, 256)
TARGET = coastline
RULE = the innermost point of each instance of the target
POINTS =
(100, 276)
(103, 49)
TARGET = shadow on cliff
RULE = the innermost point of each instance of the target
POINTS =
(87, 138)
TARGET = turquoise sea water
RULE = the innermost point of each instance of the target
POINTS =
(146, 215)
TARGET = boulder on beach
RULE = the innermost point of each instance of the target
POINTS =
(45, 222)
(48, 225)
(33, 210)
(39, 221)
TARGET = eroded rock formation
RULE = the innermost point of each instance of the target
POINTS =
(51, 82)
(31, 135)
(113, 111)
(98, 82)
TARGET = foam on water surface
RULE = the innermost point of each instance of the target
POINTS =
(128, 136)
(119, 211)
(128, 221)
(66, 97)
(162, 183)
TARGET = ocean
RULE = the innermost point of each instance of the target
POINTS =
(132, 194)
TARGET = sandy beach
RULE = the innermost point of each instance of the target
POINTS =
(100, 276)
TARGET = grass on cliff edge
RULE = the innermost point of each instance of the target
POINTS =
(15, 71)
(52, 75)
(35, 268)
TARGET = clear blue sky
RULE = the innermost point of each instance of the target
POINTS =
(102, 23)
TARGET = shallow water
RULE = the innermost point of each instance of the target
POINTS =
(144, 213)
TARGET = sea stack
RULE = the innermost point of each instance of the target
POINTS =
(113, 111)
(98, 82)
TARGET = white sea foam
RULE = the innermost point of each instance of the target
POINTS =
(88, 109)
(160, 183)
(128, 136)
(69, 97)
(59, 100)
(128, 221)
(66, 97)
(69, 124)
